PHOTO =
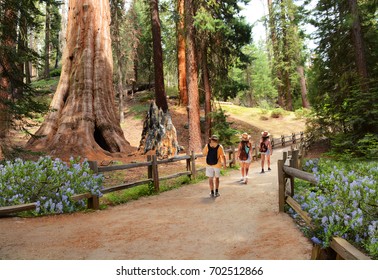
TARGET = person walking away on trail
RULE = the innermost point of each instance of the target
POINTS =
(244, 155)
(266, 150)
(215, 157)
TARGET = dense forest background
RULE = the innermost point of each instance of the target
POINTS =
(198, 51)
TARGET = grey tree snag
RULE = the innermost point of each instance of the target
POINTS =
(159, 134)
(83, 118)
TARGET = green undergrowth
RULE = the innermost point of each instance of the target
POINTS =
(135, 193)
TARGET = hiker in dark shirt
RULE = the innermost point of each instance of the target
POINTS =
(215, 156)
(266, 150)
(244, 155)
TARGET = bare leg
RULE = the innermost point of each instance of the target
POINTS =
(216, 183)
(211, 184)
(262, 162)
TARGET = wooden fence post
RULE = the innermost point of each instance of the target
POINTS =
(281, 185)
(282, 140)
(256, 152)
(155, 173)
(93, 166)
(294, 164)
(284, 156)
(149, 168)
(193, 163)
(233, 153)
(93, 202)
(295, 157)
(293, 138)
(188, 168)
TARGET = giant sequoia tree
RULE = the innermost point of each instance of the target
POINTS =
(83, 119)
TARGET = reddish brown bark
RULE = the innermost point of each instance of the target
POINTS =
(83, 120)
(181, 64)
(192, 81)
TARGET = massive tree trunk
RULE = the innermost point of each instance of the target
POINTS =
(83, 119)
(181, 63)
(192, 81)
(160, 96)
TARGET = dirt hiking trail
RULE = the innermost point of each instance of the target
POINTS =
(182, 224)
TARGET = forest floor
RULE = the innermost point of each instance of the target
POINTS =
(184, 223)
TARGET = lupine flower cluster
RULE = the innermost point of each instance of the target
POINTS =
(50, 183)
(343, 203)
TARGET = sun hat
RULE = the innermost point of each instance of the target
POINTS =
(214, 138)
(265, 134)
(245, 137)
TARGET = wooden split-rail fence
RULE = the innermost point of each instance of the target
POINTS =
(288, 169)
(153, 177)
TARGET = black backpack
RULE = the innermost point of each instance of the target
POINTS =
(212, 155)
(263, 147)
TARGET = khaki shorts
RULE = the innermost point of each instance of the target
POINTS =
(212, 172)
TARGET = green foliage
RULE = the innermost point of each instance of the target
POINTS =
(222, 128)
(277, 113)
(55, 72)
(302, 113)
(135, 193)
(344, 103)
(257, 75)
(49, 183)
(343, 202)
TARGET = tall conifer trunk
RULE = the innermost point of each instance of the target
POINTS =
(8, 36)
(181, 63)
(207, 88)
(358, 41)
(192, 80)
(160, 96)
(83, 118)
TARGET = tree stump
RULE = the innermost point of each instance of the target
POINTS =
(159, 134)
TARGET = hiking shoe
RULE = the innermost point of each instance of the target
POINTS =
(262, 171)
(212, 194)
(217, 194)
(269, 169)
(241, 179)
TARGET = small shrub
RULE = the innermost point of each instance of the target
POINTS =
(277, 113)
(55, 72)
(302, 113)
